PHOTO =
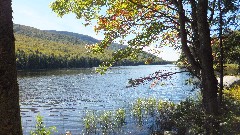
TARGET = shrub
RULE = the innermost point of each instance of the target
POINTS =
(106, 121)
(40, 128)
(233, 93)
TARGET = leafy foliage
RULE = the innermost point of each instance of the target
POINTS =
(118, 19)
(40, 128)
(182, 24)
(230, 121)
(188, 116)
(231, 53)
(232, 48)
(233, 93)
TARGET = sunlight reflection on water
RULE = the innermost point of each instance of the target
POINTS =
(62, 97)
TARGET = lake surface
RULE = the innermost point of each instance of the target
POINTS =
(63, 97)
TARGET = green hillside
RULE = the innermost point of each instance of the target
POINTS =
(36, 53)
(82, 37)
(45, 35)
(60, 36)
(37, 49)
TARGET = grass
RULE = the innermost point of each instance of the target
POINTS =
(105, 122)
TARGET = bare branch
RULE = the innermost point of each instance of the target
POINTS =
(158, 75)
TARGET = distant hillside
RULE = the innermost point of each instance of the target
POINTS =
(86, 38)
(60, 36)
(38, 49)
(45, 35)
(82, 37)
(36, 53)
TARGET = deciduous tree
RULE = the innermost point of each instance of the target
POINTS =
(183, 24)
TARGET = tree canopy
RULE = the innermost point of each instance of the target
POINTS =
(145, 22)
(232, 48)
(183, 24)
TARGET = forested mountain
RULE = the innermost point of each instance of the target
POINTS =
(36, 53)
(82, 37)
(60, 36)
(45, 35)
(39, 49)
(86, 38)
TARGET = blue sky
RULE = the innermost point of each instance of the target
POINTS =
(37, 14)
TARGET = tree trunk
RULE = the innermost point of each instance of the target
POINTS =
(10, 120)
(221, 52)
(209, 81)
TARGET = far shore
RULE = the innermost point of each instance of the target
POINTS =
(229, 81)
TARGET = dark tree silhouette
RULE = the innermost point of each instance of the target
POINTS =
(10, 120)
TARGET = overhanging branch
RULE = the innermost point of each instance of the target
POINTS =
(158, 75)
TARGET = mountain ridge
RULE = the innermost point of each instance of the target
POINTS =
(41, 49)
(61, 36)
(83, 37)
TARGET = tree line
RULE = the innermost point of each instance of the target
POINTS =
(34, 53)
(231, 47)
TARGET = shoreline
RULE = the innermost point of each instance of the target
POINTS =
(229, 81)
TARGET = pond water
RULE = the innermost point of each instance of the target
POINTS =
(63, 97)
